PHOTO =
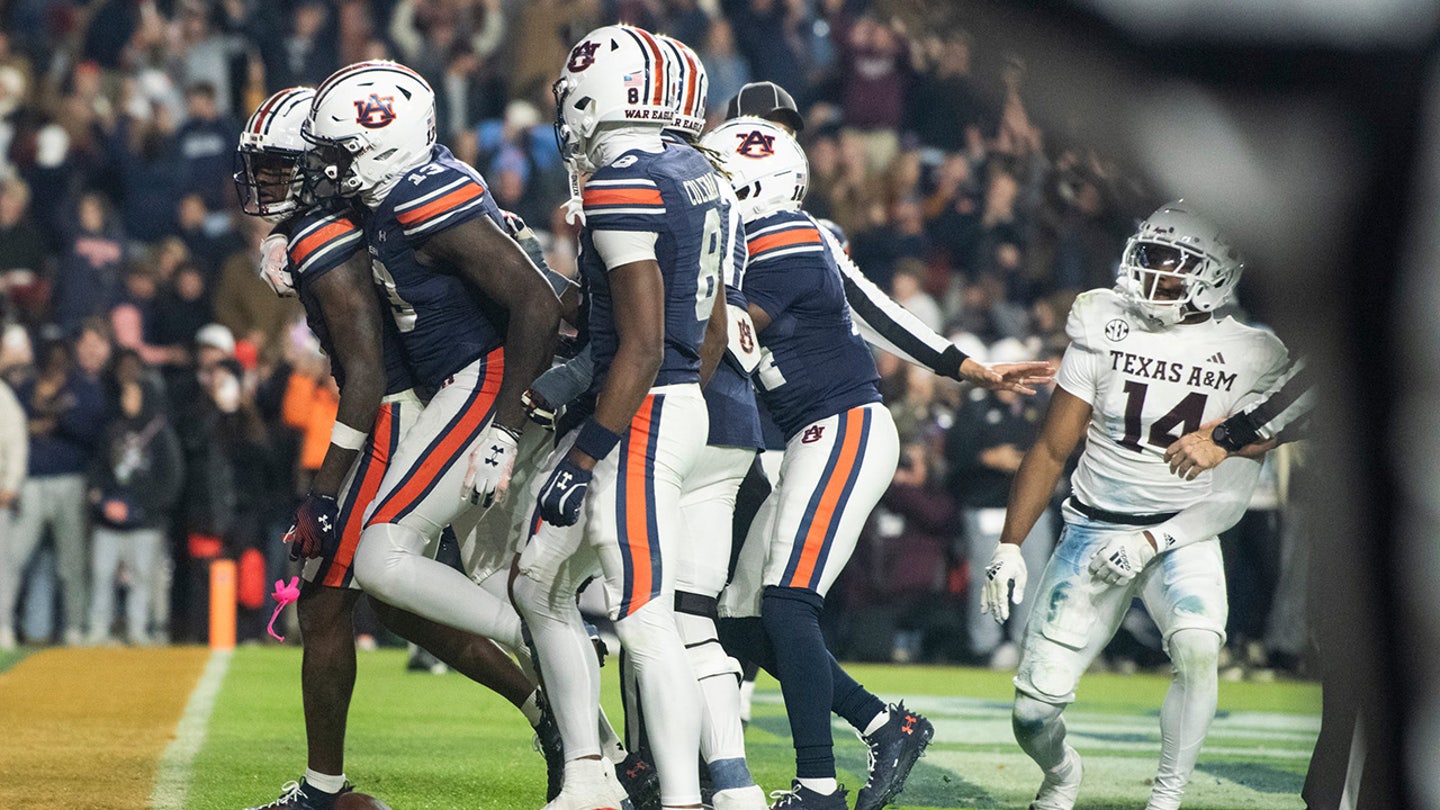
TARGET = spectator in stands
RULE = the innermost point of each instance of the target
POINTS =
(206, 143)
(14, 457)
(307, 55)
(725, 68)
(945, 107)
(182, 307)
(984, 447)
(135, 481)
(908, 290)
(875, 67)
(206, 234)
(23, 256)
(89, 278)
(66, 407)
(242, 302)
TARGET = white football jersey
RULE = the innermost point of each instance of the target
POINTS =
(1149, 388)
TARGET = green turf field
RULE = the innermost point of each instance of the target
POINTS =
(425, 741)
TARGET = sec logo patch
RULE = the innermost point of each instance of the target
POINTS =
(1117, 330)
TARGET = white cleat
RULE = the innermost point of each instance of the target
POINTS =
(746, 798)
(1061, 786)
(601, 793)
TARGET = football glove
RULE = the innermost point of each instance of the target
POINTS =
(275, 265)
(316, 530)
(1004, 582)
(540, 412)
(1121, 558)
(564, 493)
(488, 478)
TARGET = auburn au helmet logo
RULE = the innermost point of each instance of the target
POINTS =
(756, 144)
(375, 112)
(582, 57)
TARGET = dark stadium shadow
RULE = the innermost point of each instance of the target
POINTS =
(1256, 776)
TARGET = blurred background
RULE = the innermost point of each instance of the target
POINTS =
(987, 161)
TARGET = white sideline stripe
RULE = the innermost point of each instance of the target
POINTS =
(172, 777)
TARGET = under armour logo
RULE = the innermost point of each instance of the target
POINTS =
(324, 522)
(755, 144)
(813, 434)
(375, 112)
(563, 482)
(909, 726)
(496, 451)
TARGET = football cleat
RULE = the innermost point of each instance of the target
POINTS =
(746, 798)
(301, 796)
(640, 780)
(600, 792)
(1060, 787)
(548, 743)
(799, 797)
(894, 748)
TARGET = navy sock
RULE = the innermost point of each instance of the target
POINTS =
(746, 640)
(792, 621)
(852, 701)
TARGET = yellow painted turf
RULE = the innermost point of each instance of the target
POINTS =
(83, 729)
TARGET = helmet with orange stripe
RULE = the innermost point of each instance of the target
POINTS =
(689, 86)
(370, 123)
(767, 167)
(617, 76)
(267, 160)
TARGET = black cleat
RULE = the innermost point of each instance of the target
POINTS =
(639, 778)
(894, 748)
(799, 797)
(301, 796)
(549, 744)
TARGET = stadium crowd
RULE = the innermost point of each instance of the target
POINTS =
(174, 408)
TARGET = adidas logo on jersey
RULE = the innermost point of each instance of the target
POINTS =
(1217, 357)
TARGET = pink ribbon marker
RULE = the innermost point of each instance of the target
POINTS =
(283, 595)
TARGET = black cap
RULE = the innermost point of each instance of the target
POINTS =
(766, 100)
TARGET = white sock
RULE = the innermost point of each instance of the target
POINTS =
(610, 743)
(324, 782)
(877, 722)
(747, 698)
(391, 565)
(567, 661)
(531, 708)
(670, 695)
(822, 786)
(1187, 711)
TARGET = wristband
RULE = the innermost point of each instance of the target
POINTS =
(1234, 433)
(950, 362)
(346, 437)
(596, 440)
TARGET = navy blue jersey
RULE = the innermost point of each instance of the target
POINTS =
(674, 194)
(323, 239)
(815, 364)
(444, 323)
(730, 396)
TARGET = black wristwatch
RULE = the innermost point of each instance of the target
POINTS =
(1222, 438)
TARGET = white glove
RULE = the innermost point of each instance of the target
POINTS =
(488, 478)
(1121, 558)
(1006, 569)
(275, 265)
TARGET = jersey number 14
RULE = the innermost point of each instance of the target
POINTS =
(1188, 414)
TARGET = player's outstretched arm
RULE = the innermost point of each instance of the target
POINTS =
(493, 263)
(1065, 423)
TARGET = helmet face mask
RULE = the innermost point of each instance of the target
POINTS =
(1177, 265)
(267, 175)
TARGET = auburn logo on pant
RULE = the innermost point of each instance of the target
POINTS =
(813, 434)
(375, 112)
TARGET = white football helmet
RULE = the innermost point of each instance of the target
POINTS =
(689, 86)
(370, 123)
(267, 160)
(616, 75)
(767, 167)
(1177, 243)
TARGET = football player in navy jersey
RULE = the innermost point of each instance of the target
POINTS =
(476, 319)
(318, 253)
(819, 381)
(651, 255)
